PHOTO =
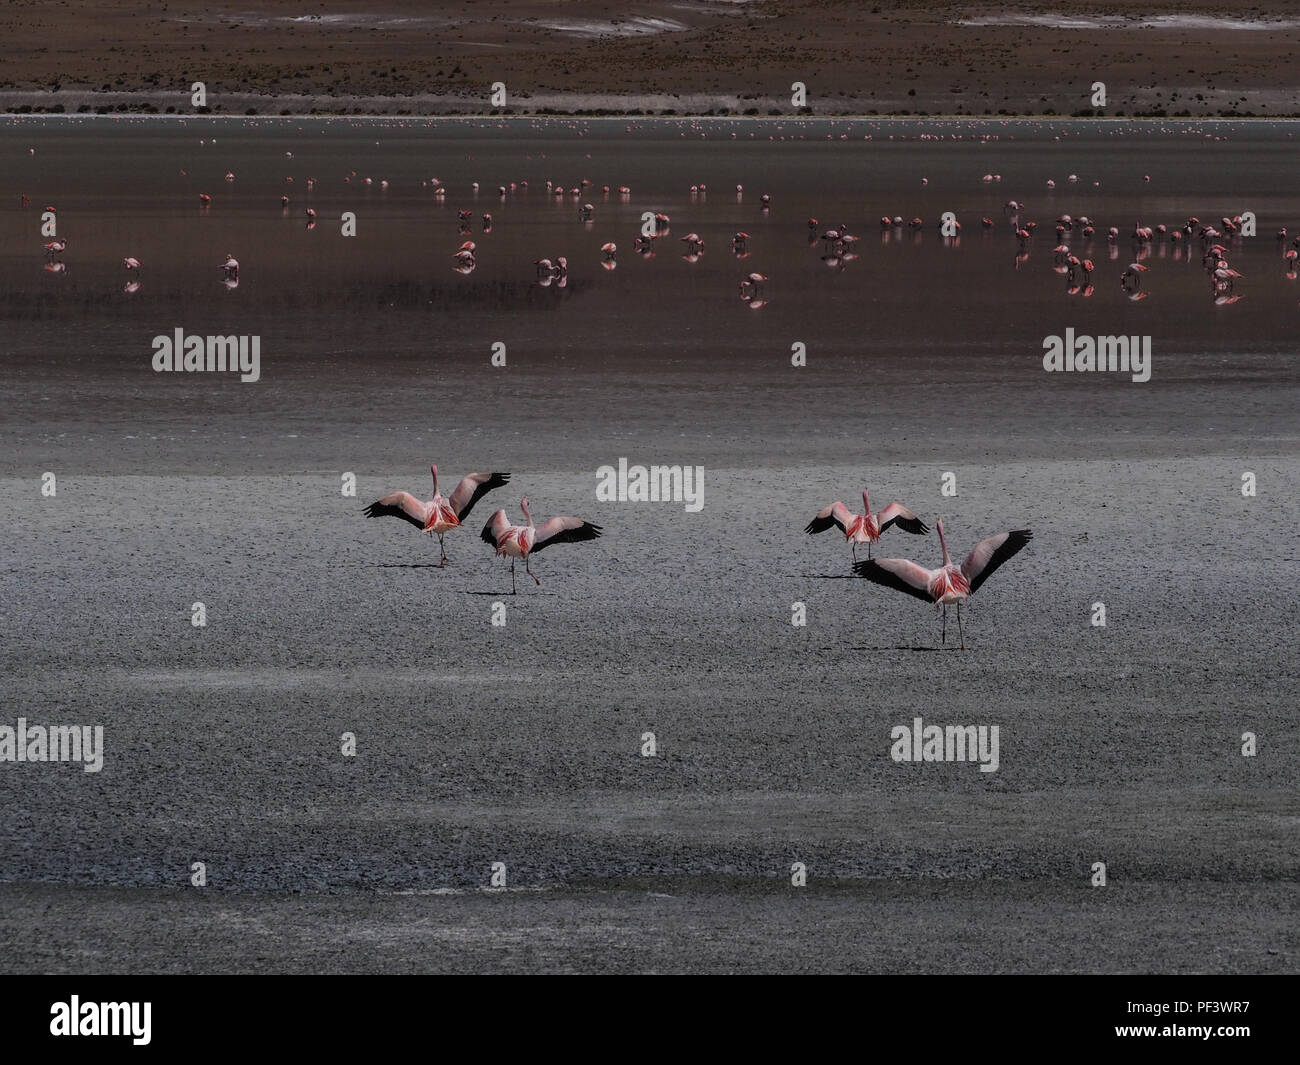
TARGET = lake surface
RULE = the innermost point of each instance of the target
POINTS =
(401, 339)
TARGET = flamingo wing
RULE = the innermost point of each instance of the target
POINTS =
(496, 528)
(990, 553)
(400, 505)
(563, 531)
(897, 573)
(897, 514)
(836, 514)
(471, 489)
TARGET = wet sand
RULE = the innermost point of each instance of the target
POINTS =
(522, 745)
(877, 927)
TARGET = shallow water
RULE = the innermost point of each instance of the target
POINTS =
(383, 321)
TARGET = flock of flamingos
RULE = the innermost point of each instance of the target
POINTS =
(1075, 263)
(950, 584)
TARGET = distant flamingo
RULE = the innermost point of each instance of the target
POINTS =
(1131, 279)
(866, 527)
(949, 583)
(231, 267)
(523, 541)
(131, 263)
(440, 514)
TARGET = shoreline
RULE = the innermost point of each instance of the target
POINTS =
(1083, 121)
(1273, 104)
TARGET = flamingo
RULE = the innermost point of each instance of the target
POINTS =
(1132, 276)
(440, 514)
(610, 250)
(523, 541)
(131, 263)
(949, 583)
(866, 527)
(56, 247)
(230, 266)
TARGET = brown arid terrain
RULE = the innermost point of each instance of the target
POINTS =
(920, 57)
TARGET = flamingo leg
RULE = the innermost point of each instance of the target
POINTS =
(855, 552)
(959, 628)
(943, 626)
(443, 548)
(530, 573)
(514, 590)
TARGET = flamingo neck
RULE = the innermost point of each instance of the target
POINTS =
(944, 544)
(529, 516)
(866, 503)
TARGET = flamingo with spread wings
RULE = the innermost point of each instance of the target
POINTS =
(524, 541)
(440, 514)
(866, 527)
(950, 583)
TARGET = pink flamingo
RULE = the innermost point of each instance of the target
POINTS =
(440, 514)
(949, 583)
(866, 527)
(131, 263)
(1131, 279)
(523, 541)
